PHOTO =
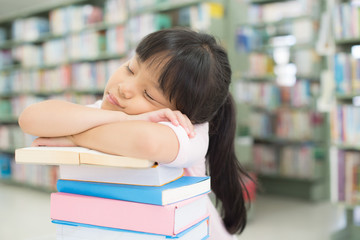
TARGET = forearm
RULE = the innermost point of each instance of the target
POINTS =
(138, 139)
(54, 118)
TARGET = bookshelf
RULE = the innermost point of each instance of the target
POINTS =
(68, 52)
(278, 88)
(345, 148)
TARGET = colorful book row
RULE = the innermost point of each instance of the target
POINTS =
(307, 63)
(292, 161)
(271, 96)
(75, 18)
(84, 45)
(288, 125)
(40, 176)
(11, 108)
(12, 137)
(64, 20)
(346, 21)
(86, 76)
(277, 11)
(297, 32)
(346, 73)
(345, 125)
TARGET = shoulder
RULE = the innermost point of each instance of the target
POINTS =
(97, 104)
(191, 150)
(201, 130)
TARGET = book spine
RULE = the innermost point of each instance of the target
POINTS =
(115, 213)
(112, 191)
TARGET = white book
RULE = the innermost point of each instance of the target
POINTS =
(74, 231)
(156, 175)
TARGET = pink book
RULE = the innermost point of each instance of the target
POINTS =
(166, 220)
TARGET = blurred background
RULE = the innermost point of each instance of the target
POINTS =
(296, 81)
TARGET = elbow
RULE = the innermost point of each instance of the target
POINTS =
(160, 148)
(149, 147)
(33, 117)
(24, 121)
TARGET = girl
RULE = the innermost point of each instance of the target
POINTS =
(170, 103)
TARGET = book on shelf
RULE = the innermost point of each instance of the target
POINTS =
(5, 166)
(165, 220)
(348, 171)
(76, 156)
(181, 189)
(70, 230)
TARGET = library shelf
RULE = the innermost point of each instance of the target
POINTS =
(271, 104)
(345, 148)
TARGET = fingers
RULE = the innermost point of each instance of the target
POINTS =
(35, 143)
(53, 142)
(172, 116)
(40, 141)
(177, 118)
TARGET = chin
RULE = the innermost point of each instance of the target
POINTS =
(107, 106)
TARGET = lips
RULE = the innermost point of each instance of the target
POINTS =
(111, 99)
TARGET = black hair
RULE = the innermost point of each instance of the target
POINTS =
(196, 75)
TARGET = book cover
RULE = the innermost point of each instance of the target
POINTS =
(157, 175)
(165, 220)
(70, 230)
(76, 156)
(183, 188)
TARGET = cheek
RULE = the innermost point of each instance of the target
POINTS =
(115, 77)
(111, 81)
(140, 106)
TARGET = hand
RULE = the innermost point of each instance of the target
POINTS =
(54, 142)
(166, 114)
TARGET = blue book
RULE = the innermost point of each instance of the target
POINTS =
(183, 188)
(71, 230)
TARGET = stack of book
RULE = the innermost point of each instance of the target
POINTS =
(102, 196)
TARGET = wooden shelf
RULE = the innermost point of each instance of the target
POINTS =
(8, 119)
(266, 1)
(284, 141)
(27, 185)
(347, 41)
(276, 23)
(289, 178)
(345, 146)
(8, 151)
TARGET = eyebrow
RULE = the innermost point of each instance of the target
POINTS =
(154, 83)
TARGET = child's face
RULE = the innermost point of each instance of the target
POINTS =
(133, 88)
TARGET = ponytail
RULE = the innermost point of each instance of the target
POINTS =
(227, 175)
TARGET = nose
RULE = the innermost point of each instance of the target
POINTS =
(126, 90)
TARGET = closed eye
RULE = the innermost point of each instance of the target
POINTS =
(148, 96)
(129, 70)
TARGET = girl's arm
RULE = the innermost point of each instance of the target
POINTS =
(138, 139)
(55, 118)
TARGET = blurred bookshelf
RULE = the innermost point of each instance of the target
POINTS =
(69, 51)
(345, 147)
(278, 89)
